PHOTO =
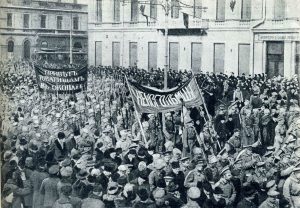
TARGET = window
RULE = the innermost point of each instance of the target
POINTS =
(153, 9)
(115, 54)
(43, 21)
(246, 9)
(197, 8)
(196, 57)
(219, 55)
(10, 46)
(9, 20)
(133, 54)
(99, 10)
(244, 59)
(26, 21)
(75, 23)
(116, 10)
(98, 53)
(279, 9)
(174, 55)
(152, 55)
(59, 20)
(77, 45)
(220, 10)
(174, 9)
(134, 10)
(297, 61)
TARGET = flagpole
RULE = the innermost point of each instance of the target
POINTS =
(136, 114)
(71, 41)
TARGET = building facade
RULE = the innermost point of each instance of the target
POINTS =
(42, 28)
(240, 36)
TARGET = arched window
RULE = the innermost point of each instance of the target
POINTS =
(10, 46)
(44, 44)
(77, 45)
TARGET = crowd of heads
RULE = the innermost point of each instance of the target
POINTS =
(92, 149)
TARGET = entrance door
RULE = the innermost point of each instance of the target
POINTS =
(26, 51)
(275, 59)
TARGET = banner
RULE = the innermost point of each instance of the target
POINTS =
(61, 80)
(152, 100)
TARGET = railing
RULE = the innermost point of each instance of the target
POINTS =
(46, 5)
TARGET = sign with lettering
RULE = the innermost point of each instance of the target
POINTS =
(278, 37)
(153, 100)
(61, 80)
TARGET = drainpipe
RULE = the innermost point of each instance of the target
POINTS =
(264, 13)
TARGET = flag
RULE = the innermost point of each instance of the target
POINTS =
(186, 20)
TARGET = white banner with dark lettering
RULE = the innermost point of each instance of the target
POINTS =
(61, 80)
(153, 100)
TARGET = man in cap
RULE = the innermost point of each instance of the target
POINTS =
(195, 176)
(49, 187)
(225, 183)
(272, 201)
(157, 173)
(292, 187)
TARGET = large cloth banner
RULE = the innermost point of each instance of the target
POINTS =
(61, 80)
(153, 100)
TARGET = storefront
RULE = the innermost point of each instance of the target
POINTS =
(276, 53)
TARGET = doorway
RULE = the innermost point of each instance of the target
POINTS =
(27, 49)
(275, 59)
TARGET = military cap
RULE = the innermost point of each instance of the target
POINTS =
(159, 164)
(224, 170)
(53, 169)
(158, 193)
(194, 192)
(270, 184)
(184, 159)
(260, 164)
(272, 193)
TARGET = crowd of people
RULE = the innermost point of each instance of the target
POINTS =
(87, 150)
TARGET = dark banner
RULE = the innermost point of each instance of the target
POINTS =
(61, 80)
(152, 100)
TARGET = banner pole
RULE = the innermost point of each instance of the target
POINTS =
(202, 98)
(136, 114)
(204, 104)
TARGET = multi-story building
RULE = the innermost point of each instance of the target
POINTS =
(240, 36)
(30, 28)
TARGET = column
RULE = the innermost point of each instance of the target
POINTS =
(288, 58)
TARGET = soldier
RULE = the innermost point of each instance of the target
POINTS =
(195, 176)
(225, 183)
(272, 200)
